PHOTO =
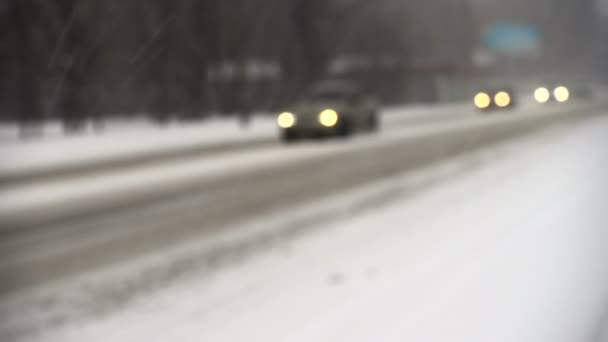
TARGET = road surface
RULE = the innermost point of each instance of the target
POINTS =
(167, 230)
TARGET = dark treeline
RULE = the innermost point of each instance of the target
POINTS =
(82, 59)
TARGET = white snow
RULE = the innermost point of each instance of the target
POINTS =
(132, 138)
(24, 198)
(126, 140)
(513, 251)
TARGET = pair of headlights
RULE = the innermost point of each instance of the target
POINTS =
(543, 94)
(328, 118)
(483, 100)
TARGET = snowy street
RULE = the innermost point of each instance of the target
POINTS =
(475, 229)
(126, 143)
(304, 171)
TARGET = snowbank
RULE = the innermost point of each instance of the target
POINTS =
(129, 139)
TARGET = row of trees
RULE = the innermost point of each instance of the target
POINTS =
(84, 58)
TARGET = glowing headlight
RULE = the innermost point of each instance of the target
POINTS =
(562, 94)
(502, 99)
(328, 118)
(482, 100)
(286, 120)
(542, 95)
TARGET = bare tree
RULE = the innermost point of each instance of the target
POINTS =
(81, 58)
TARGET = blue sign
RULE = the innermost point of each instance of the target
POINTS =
(512, 39)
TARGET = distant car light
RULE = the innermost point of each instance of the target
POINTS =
(562, 94)
(542, 95)
(502, 99)
(482, 100)
(328, 118)
(286, 120)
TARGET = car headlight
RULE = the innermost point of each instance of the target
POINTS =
(502, 99)
(286, 120)
(482, 100)
(328, 118)
(542, 95)
(562, 94)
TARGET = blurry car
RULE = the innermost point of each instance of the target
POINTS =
(562, 92)
(556, 93)
(495, 99)
(330, 108)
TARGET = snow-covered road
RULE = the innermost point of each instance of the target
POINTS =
(512, 250)
(140, 180)
(131, 139)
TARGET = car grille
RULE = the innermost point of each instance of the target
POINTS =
(307, 120)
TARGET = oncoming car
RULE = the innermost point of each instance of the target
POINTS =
(330, 108)
(494, 99)
(545, 94)
(563, 92)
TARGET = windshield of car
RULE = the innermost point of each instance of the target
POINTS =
(328, 96)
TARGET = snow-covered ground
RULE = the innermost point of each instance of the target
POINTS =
(512, 251)
(124, 139)
(104, 187)
(132, 138)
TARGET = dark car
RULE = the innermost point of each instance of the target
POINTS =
(495, 99)
(330, 108)
(552, 93)
(563, 92)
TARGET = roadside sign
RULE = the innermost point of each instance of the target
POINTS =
(513, 39)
